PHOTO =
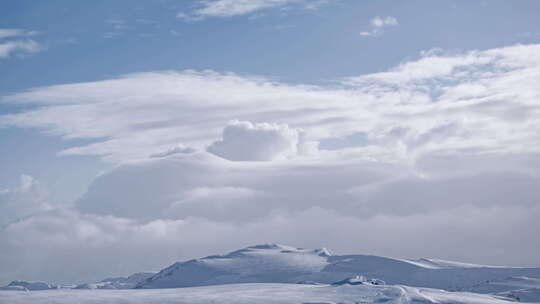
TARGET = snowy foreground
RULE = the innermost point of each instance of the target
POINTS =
(251, 293)
(273, 273)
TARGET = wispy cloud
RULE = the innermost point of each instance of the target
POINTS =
(6, 33)
(231, 8)
(25, 46)
(118, 28)
(14, 41)
(379, 24)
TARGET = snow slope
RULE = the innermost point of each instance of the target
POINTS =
(273, 263)
(252, 294)
(522, 288)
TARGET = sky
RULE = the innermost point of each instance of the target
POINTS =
(138, 133)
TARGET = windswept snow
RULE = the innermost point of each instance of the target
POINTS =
(442, 264)
(253, 294)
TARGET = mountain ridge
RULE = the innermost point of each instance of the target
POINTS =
(278, 264)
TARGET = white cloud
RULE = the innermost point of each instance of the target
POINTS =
(236, 204)
(378, 24)
(150, 189)
(437, 102)
(231, 8)
(11, 42)
(245, 141)
(174, 150)
(15, 32)
(383, 22)
(8, 48)
(7, 33)
(200, 184)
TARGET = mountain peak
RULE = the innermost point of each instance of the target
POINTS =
(271, 246)
(323, 252)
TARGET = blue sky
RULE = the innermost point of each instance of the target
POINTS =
(413, 96)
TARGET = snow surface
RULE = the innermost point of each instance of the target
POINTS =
(357, 280)
(252, 294)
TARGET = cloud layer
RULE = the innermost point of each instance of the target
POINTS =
(435, 155)
(479, 102)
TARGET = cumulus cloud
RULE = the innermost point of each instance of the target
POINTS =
(12, 42)
(378, 24)
(246, 141)
(231, 8)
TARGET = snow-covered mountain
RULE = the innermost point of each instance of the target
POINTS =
(273, 273)
(269, 263)
(273, 263)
